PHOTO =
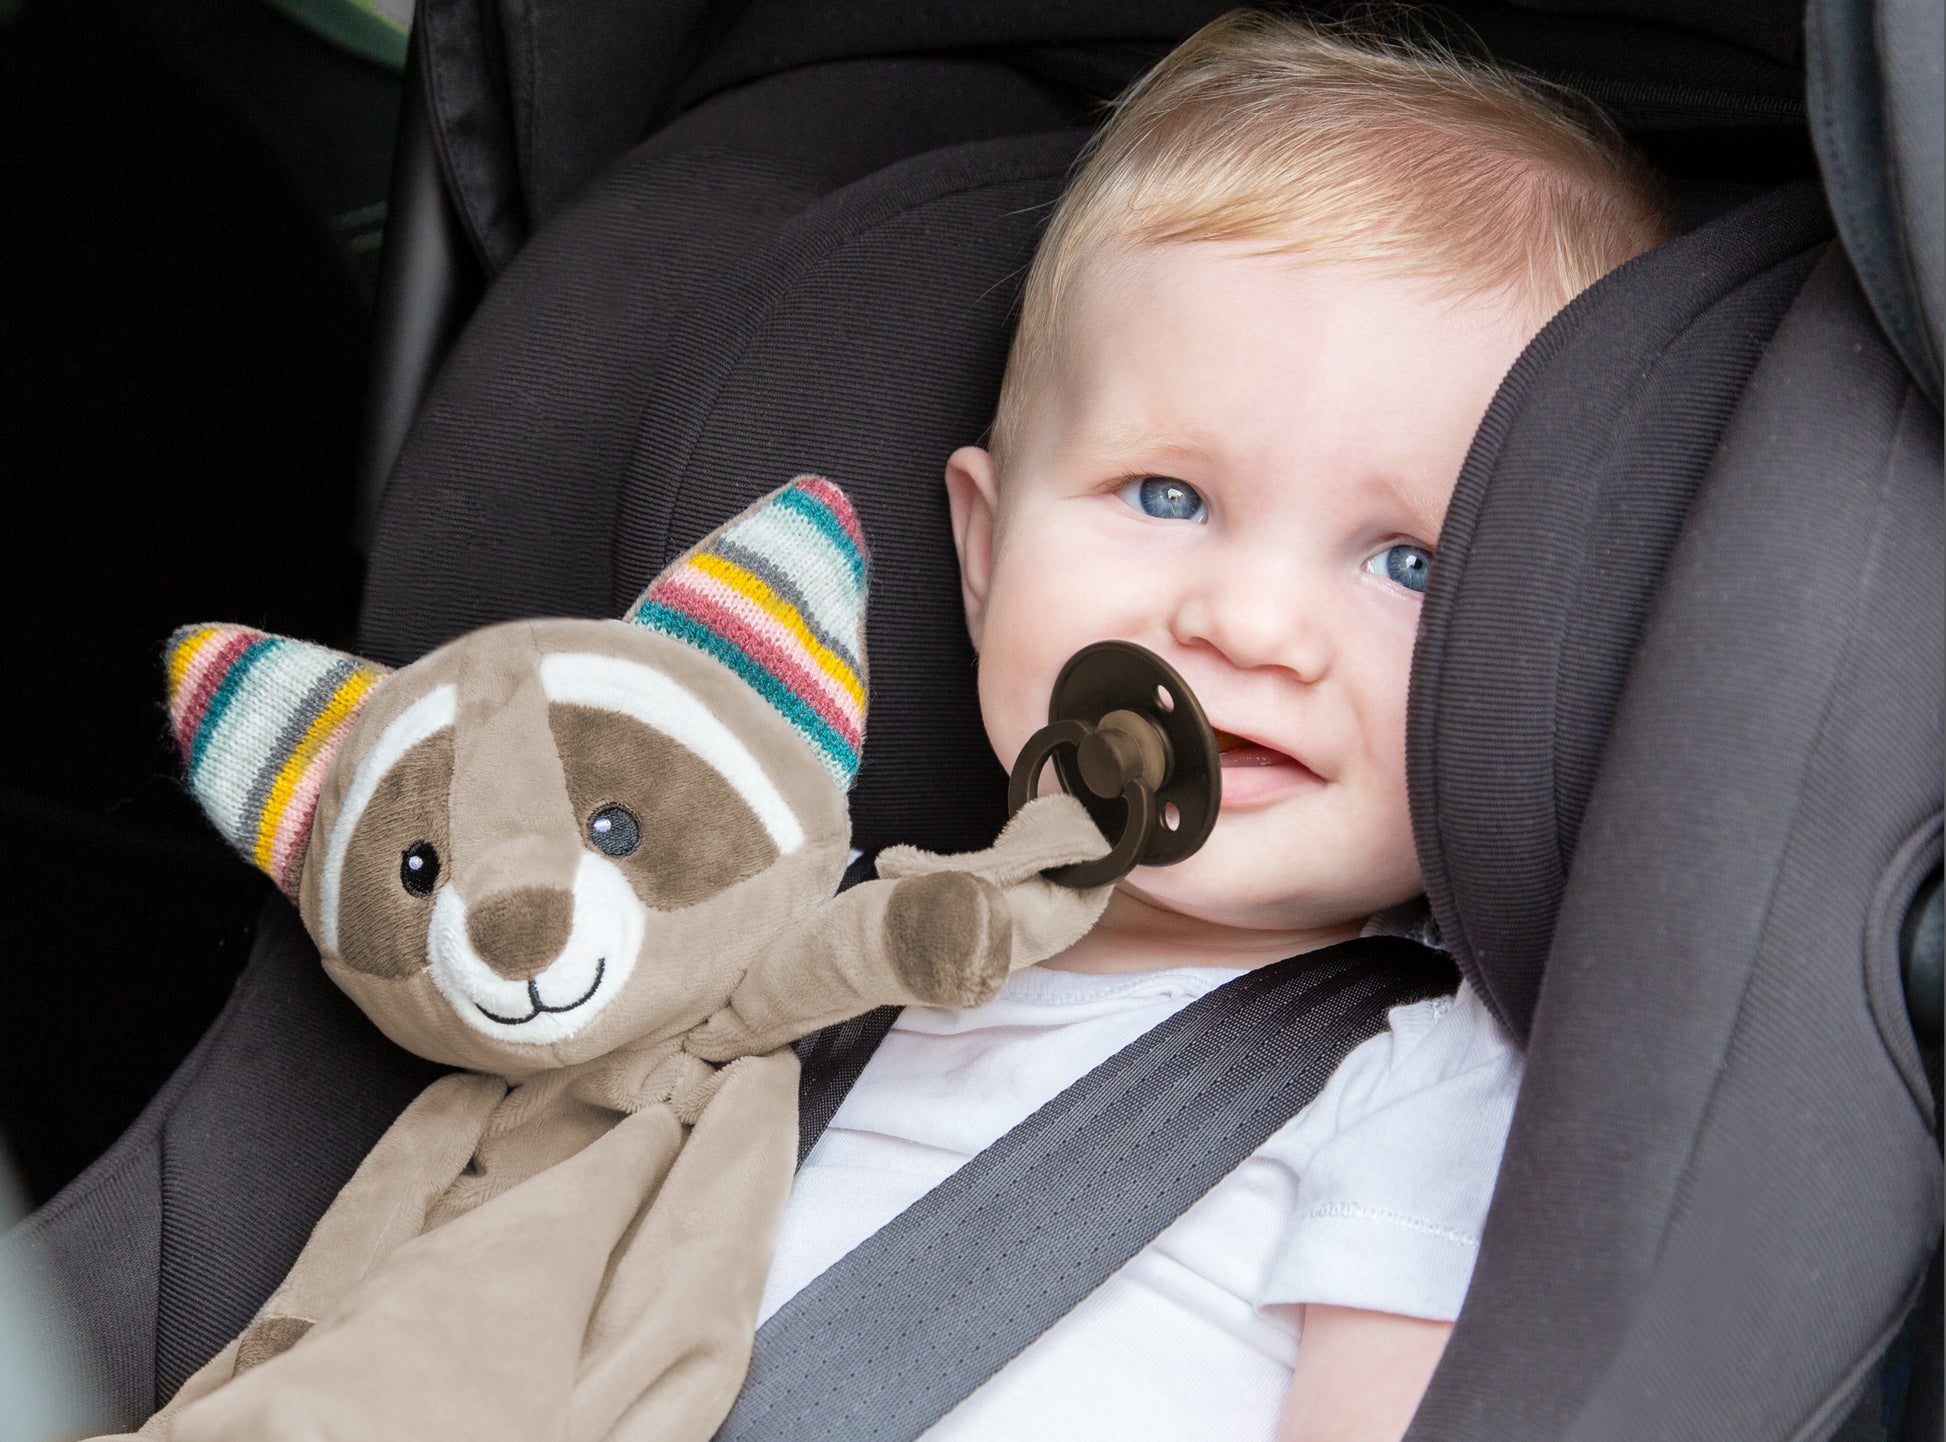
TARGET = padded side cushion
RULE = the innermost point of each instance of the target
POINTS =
(1576, 487)
(1721, 1184)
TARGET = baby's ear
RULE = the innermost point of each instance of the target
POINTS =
(778, 596)
(973, 503)
(258, 719)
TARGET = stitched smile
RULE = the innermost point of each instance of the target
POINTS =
(534, 996)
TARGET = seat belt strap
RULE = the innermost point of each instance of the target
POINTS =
(831, 1061)
(892, 1336)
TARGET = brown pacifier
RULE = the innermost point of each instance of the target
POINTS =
(1129, 740)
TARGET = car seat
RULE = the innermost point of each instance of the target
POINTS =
(1675, 725)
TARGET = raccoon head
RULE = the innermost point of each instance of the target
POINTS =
(551, 838)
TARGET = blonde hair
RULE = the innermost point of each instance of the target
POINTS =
(1345, 148)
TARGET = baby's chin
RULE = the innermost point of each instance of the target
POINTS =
(1244, 881)
(1249, 902)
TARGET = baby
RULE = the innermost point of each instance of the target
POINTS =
(1255, 345)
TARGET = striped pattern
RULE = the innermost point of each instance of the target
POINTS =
(778, 596)
(258, 719)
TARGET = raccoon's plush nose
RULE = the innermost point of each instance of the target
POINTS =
(519, 933)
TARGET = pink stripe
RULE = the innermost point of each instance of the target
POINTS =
(773, 644)
(294, 826)
(202, 655)
(713, 591)
(204, 678)
(838, 503)
(735, 628)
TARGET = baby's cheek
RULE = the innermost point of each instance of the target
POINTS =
(1378, 681)
(1007, 702)
(1392, 859)
(1030, 632)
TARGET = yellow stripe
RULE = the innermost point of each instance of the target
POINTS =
(184, 654)
(336, 712)
(786, 615)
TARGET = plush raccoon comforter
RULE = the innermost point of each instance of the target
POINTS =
(591, 863)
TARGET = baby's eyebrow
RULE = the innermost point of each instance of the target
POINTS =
(1133, 440)
(1422, 499)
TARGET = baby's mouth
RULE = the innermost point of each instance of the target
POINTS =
(1237, 752)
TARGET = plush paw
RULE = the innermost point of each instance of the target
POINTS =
(1048, 831)
(1041, 917)
(950, 937)
(268, 1337)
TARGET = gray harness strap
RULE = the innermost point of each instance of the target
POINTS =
(890, 1338)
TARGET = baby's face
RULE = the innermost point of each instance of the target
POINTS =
(1240, 462)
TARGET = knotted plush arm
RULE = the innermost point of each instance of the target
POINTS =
(933, 930)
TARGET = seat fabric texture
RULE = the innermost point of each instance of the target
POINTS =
(171, 1240)
(1572, 495)
(1878, 121)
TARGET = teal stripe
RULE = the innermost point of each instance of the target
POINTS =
(839, 758)
(819, 515)
(226, 693)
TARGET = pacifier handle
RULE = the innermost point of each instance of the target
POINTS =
(1129, 740)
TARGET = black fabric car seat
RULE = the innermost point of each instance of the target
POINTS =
(1672, 806)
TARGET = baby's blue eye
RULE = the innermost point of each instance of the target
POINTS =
(1165, 499)
(1403, 564)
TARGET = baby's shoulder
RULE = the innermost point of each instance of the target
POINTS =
(1393, 1166)
(1446, 1033)
(1443, 1062)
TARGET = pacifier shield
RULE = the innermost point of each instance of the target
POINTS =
(1120, 676)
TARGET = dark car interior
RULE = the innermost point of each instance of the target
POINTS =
(374, 344)
(191, 257)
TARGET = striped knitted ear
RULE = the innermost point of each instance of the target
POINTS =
(778, 596)
(258, 719)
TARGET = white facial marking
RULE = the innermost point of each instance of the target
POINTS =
(584, 679)
(592, 968)
(430, 714)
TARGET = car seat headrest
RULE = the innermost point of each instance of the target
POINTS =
(532, 101)
(1565, 513)
(1878, 120)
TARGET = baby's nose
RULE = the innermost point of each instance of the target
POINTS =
(1258, 616)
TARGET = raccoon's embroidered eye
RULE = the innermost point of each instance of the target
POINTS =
(419, 868)
(614, 830)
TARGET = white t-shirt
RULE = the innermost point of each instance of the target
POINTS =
(1372, 1196)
